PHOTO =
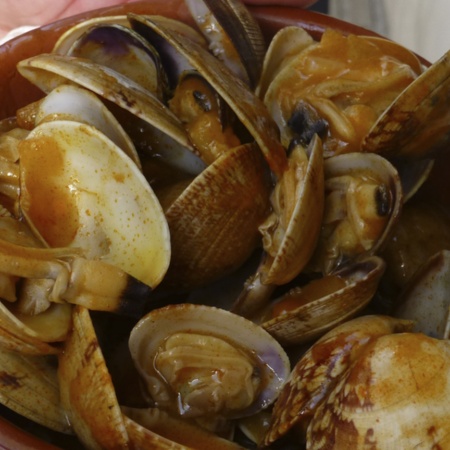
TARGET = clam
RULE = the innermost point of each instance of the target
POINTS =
(249, 109)
(363, 201)
(320, 371)
(399, 132)
(305, 313)
(233, 34)
(48, 71)
(207, 363)
(337, 88)
(409, 373)
(290, 232)
(214, 222)
(110, 211)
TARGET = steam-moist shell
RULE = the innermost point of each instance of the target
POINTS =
(48, 71)
(395, 395)
(71, 102)
(154, 328)
(247, 106)
(319, 370)
(214, 222)
(80, 190)
(316, 317)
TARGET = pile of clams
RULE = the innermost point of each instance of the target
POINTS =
(222, 235)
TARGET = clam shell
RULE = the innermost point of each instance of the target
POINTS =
(233, 34)
(158, 325)
(68, 102)
(394, 394)
(29, 386)
(48, 71)
(302, 228)
(319, 370)
(214, 222)
(249, 109)
(291, 231)
(316, 317)
(365, 217)
(110, 210)
(87, 392)
(417, 123)
(174, 62)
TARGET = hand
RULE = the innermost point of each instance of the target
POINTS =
(16, 13)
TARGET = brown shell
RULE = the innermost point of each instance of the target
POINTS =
(212, 238)
(316, 317)
(394, 395)
(87, 392)
(320, 369)
(247, 106)
(417, 124)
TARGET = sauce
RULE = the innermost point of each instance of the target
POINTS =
(51, 209)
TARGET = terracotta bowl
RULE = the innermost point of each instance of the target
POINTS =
(17, 433)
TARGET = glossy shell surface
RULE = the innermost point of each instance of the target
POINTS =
(17, 92)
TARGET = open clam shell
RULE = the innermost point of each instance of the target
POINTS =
(417, 123)
(291, 230)
(346, 82)
(87, 392)
(196, 330)
(298, 203)
(315, 317)
(48, 71)
(233, 34)
(363, 202)
(242, 101)
(109, 210)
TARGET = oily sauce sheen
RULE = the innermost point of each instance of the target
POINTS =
(50, 208)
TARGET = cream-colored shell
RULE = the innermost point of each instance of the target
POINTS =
(110, 212)
(154, 328)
